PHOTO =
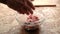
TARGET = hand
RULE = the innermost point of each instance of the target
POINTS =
(21, 6)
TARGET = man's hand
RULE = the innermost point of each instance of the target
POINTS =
(21, 6)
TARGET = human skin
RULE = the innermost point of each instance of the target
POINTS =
(21, 6)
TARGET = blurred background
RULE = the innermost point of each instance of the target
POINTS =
(11, 21)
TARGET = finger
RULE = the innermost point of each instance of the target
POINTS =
(30, 4)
